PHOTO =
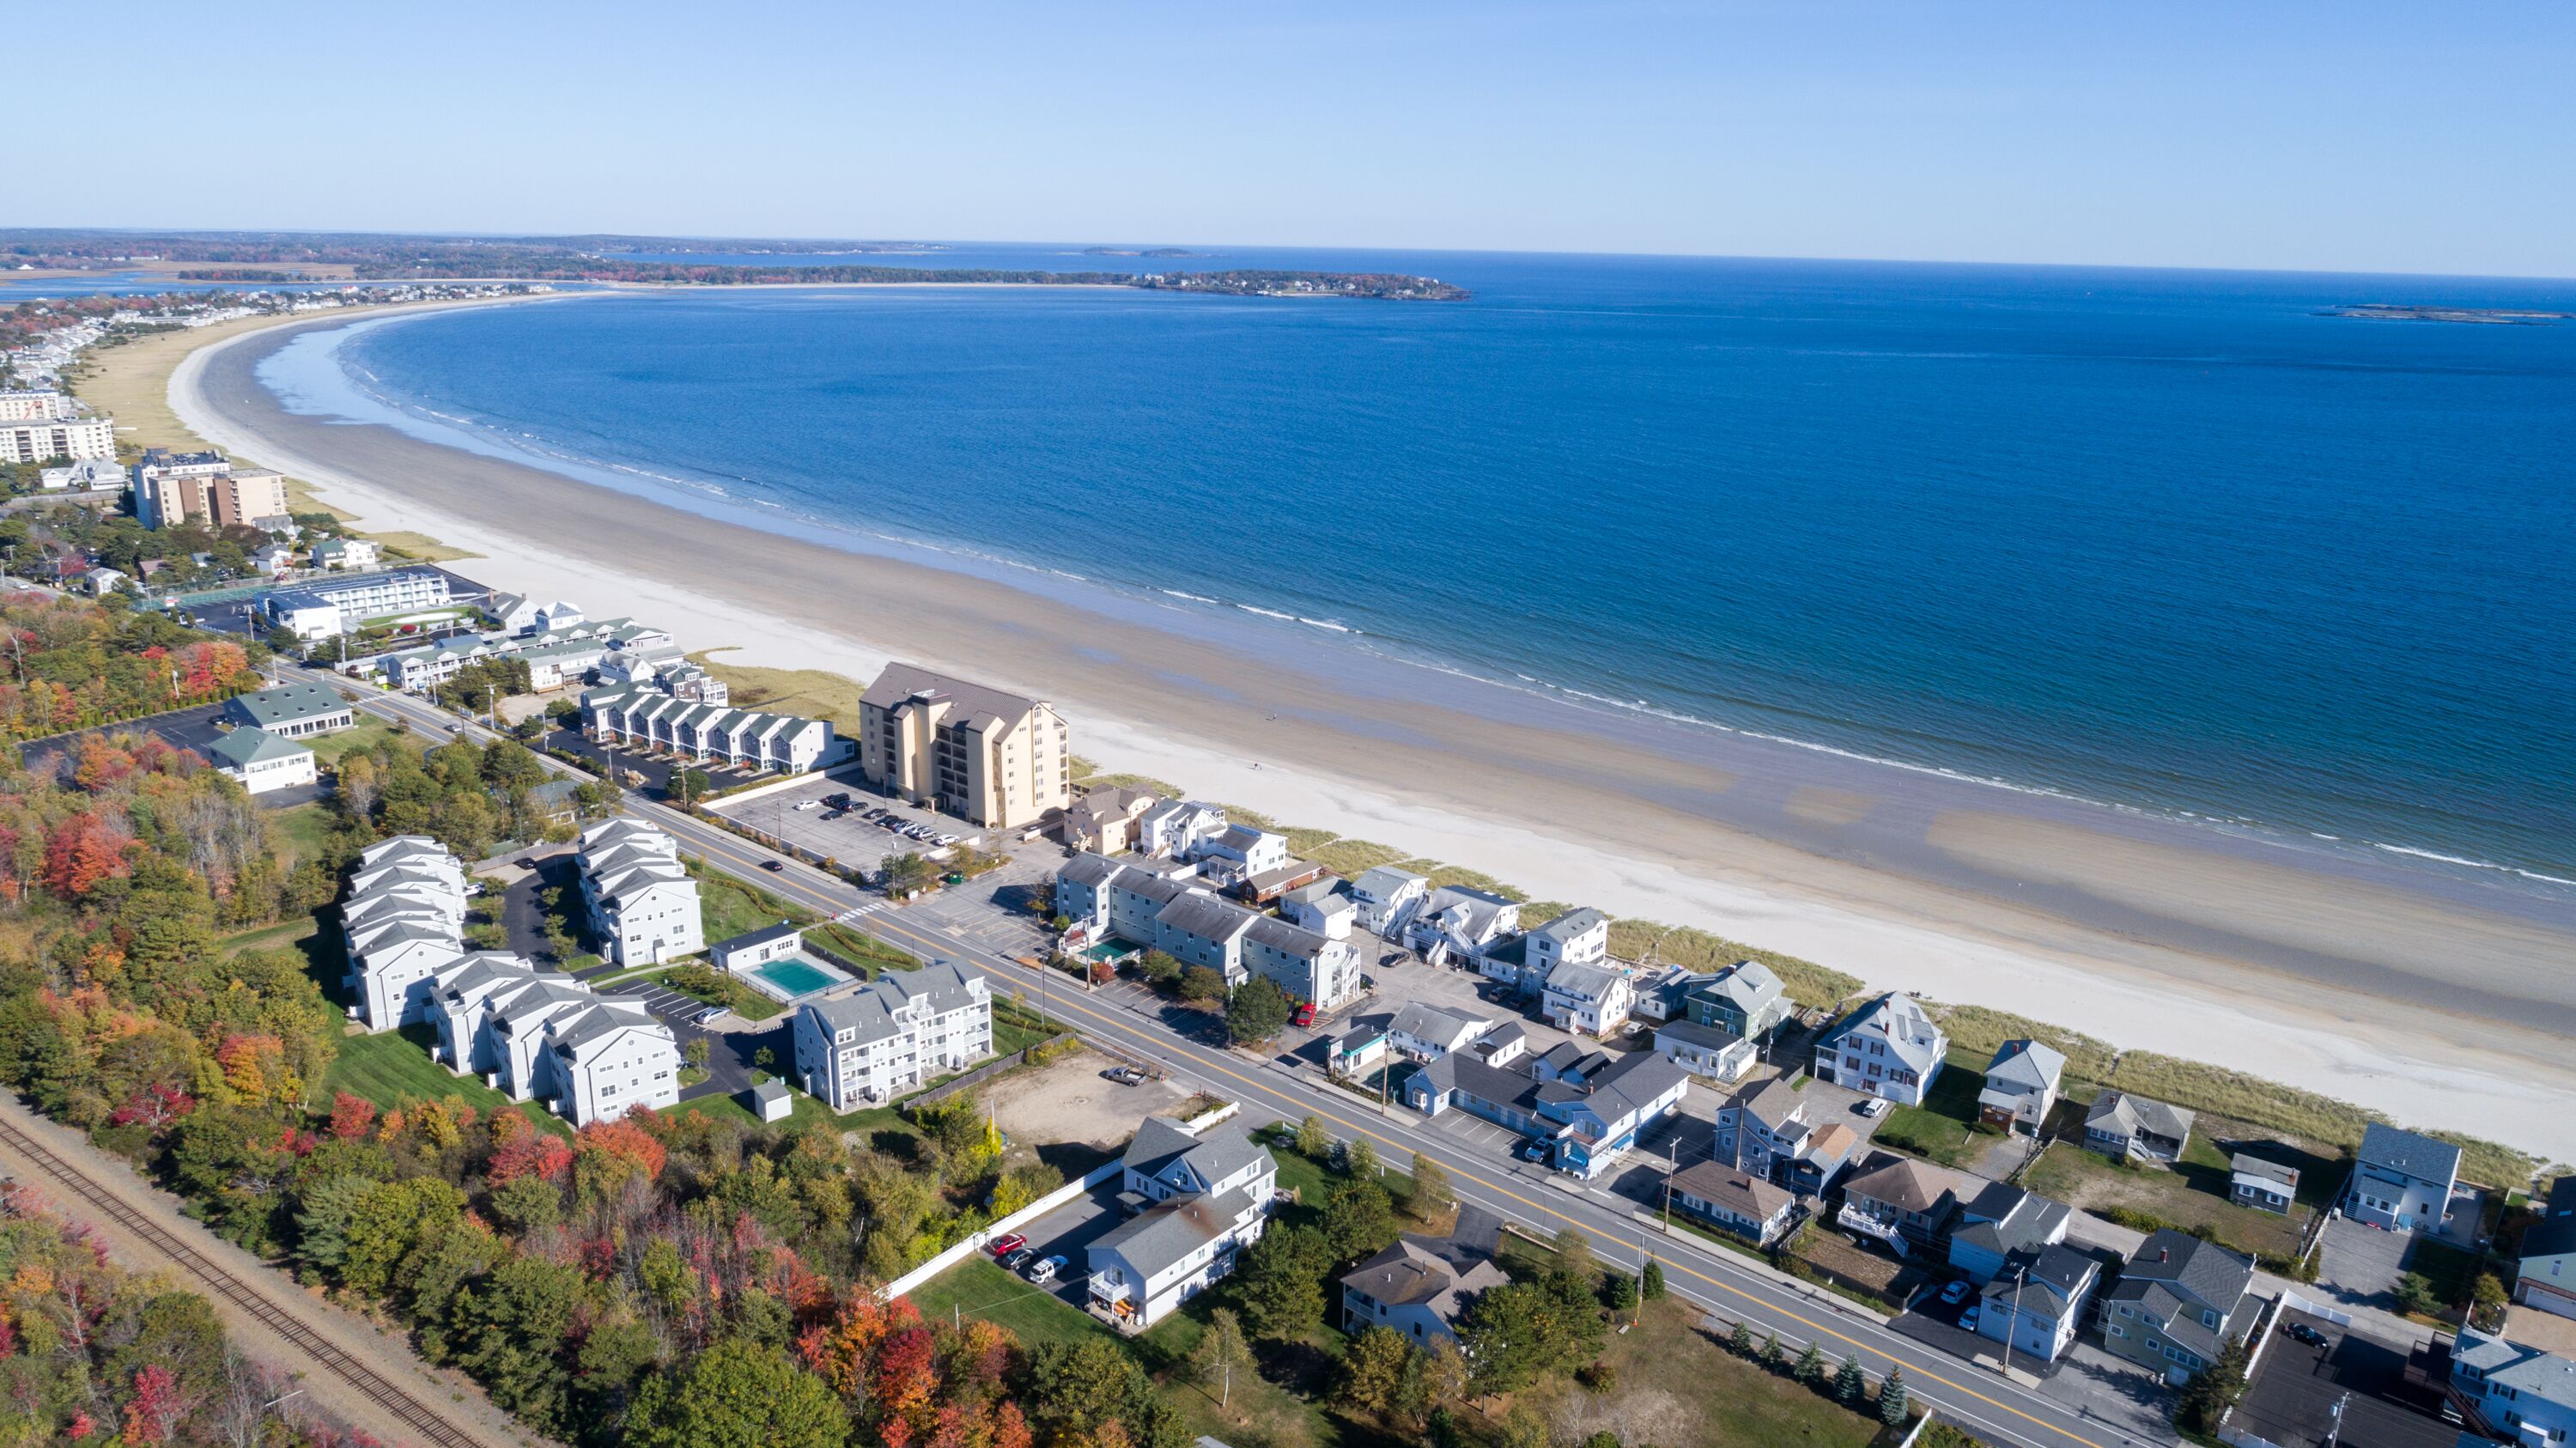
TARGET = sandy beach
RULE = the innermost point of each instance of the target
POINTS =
(2440, 1004)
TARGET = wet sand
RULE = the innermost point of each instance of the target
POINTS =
(2441, 1001)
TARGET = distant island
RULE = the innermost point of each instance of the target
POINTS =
(2479, 316)
(268, 258)
(1152, 251)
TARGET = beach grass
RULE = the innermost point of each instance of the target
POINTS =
(812, 693)
(1811, 985)
(391, 1066)
(1979, 1030)
(419, 546)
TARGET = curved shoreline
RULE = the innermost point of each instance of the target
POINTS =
(2126, 929)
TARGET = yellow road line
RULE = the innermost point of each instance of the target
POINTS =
(889, 923)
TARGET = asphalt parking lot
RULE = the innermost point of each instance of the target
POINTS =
(2351, 1387)
(1067, 1231)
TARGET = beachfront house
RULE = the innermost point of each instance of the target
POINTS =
(1732, 1199)
(1416, 1291)
(2265, 1186)
(2402, 1179)
(1174, 829)
(2514, 1393)
(2545, 1276)
(1784, 1136)
(1197, 1200)
(1586, 999)
(2178, 1304)
(871, 1043)
(2037, 1306)
(1888, 1048)
(1103, 821)
(1580, 936)
(1232, 858)
(1455, 920)
(642, 903)
(995, 758)
(2121, 1125)
(347, 554)
(1386, 898)
(2021, 1086)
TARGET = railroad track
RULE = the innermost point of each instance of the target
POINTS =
(395, 1400)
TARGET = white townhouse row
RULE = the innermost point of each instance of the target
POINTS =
(643, 906)
(534, 1034)
(892, 1034)
(1171, 912)
(640, 717)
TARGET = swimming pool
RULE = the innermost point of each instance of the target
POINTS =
(790, 978)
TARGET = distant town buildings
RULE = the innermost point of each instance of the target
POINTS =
(996, 759)
(27, 405)
(326, 607)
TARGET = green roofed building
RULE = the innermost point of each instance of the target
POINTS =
(292, 711)
(262, 761)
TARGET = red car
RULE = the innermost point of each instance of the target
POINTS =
(1305, 1014)
(1005, 1246)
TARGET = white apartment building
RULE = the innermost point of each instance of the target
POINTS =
(892, 1034)
(538, 1035)
(995, 758)
(643, 905)
(1200, 1199)
(344, 605)
(639, 716)
(30, 406)
(77, 438)
(403, 921)
(1175, 829)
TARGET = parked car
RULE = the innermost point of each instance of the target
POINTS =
(1874, 1106)
(711, 1012)
(525, 862)
(1124, 1075)
(1968, 1319)
(1045, 1271)
(1020, 1258)
(2301, 1332)
(1955, 1293)
(947, 839)
(1005, 1246)
(1305, 1014)
(1534, 1151)
(803, 805)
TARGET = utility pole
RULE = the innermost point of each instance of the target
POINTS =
(2334, 1432)
(1672, 1164)
(2020, 1275)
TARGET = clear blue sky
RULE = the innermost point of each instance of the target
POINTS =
(2282, 133)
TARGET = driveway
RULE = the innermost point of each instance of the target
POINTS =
(2360, 1265)
(1067, 1232)
(2350, 1388)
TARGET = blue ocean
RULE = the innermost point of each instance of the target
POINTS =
(2176, 541)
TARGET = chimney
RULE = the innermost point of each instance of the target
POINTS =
(2164, 1254)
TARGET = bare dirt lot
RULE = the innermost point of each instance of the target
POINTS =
(1070, 1101)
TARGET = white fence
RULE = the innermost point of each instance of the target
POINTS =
(974, 1242)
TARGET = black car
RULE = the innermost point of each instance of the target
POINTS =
(2301, 1332)
(772, 866)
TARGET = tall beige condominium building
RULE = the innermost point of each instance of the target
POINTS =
(41, 440)
(997, 759)
(222, 500)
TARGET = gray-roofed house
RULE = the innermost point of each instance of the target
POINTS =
(1415, 1291)
(2001, 1223)
(292, 711)
(2037, 1305)
(1387, 898)
(1745, 999)
(1905, 1203)
(2546, 1277)
(2178, 1303)
(2519, 1394)
(1422, 1031)
(1585, 1107)
(1708, 1052)
(262, 761)
(2021, 1086)
(2402, 1179)
(871, 1042)
(1200, 1199)
(1103, 821)
(1580, 936)
(1782, 1135)
(1323, 906)
(2120, 1124)
(2266, 1186)
(1457, 920)
(1733, 1200)
(1888, 1048)
(1105, 898)
(1586, 998)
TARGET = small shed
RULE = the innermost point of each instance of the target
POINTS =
(771, 1101)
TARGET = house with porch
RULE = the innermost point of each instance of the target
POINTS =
(1901, 1201)
(2545, 1277)
(2266, 1186)
(1386, 898)
(1745, 999)
(1586, 999)
(1456, 921)
(1196, 1201)
(1888, 1048)
(2402, 1179)
(2121, 1125)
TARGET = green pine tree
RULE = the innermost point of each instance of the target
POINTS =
(1771, 1351)
(1891, 1396)
(1850, 1385)
(1740, 1341)
(1811, 1365)
(1654, 1279)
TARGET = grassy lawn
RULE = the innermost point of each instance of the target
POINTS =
(290, 935)
(1943, 1127)
(2450, 1270)
(367, 733)
(872, 955)
(729, 1107)
(746, 1002)
(977, 1287)
(1676, 1384)
(2089, 1181)
(727, 907)
(304, 831)
(388, 1067)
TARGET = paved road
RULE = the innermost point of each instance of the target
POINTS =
(1621, 1230)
